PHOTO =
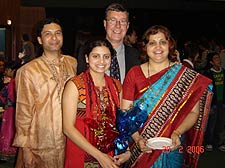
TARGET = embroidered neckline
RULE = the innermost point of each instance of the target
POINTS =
(58, 70)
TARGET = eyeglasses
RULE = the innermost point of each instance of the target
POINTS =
(113, 21)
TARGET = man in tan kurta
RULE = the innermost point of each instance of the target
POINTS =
(39, 85)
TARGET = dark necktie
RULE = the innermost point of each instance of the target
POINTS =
(115, 68)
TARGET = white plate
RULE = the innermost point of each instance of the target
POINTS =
(159, 143)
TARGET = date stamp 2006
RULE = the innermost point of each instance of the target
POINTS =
(188, 149)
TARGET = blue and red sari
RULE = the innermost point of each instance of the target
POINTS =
(161, 104)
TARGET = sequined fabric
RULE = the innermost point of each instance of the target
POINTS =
(128, 122)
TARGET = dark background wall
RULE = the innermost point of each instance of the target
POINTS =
(187, 19)
(149, 4)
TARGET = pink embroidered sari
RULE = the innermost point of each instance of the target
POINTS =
(8, 122)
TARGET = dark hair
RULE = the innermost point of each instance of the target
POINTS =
(97, 42)
(210, 58)
(45, 21)
(13, 65)
(116, 7)
(26, 37)
(190, 50)
(131, 29)
(159, 28)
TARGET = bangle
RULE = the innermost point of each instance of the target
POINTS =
(177, 133)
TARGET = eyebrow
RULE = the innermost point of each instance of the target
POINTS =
(52, 30)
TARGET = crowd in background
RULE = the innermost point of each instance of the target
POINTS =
(204, 55)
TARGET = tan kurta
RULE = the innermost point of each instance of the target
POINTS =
(38, 106)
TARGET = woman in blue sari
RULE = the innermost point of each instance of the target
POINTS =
(162, 98)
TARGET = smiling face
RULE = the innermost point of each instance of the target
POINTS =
(99, 59)
(158, 48)
(51, 37)
(116, 25)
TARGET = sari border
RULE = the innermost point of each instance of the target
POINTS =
(184, 84)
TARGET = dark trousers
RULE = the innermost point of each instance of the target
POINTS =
(215, 129)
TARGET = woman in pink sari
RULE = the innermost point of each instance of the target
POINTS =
(7, 101)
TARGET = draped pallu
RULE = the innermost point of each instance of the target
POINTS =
(166, 103)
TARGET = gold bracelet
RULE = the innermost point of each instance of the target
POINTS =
(177, 133)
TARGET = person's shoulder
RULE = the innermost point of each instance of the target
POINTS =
(70, 58)
(30, 68)
(31, 64)
(202, 76)
(78, 80)
(135, 70)
(205, 78)
(71, 61)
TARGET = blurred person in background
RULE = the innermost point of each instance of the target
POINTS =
(8, 104)
(28, 50)
(131, 37)
(215, 131)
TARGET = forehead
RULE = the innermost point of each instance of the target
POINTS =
(158, 35)
(216, 56)
(115, 14)
(51, 26)
(100, 49)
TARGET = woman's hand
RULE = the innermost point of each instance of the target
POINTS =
(175, 140)
(106, 161)
(122, 158)
(142, 145)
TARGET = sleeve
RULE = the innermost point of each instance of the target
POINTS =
(3, 96)
(72, 62)
(74, 65)
(11, 99)
(129, 85)
(24, 108)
